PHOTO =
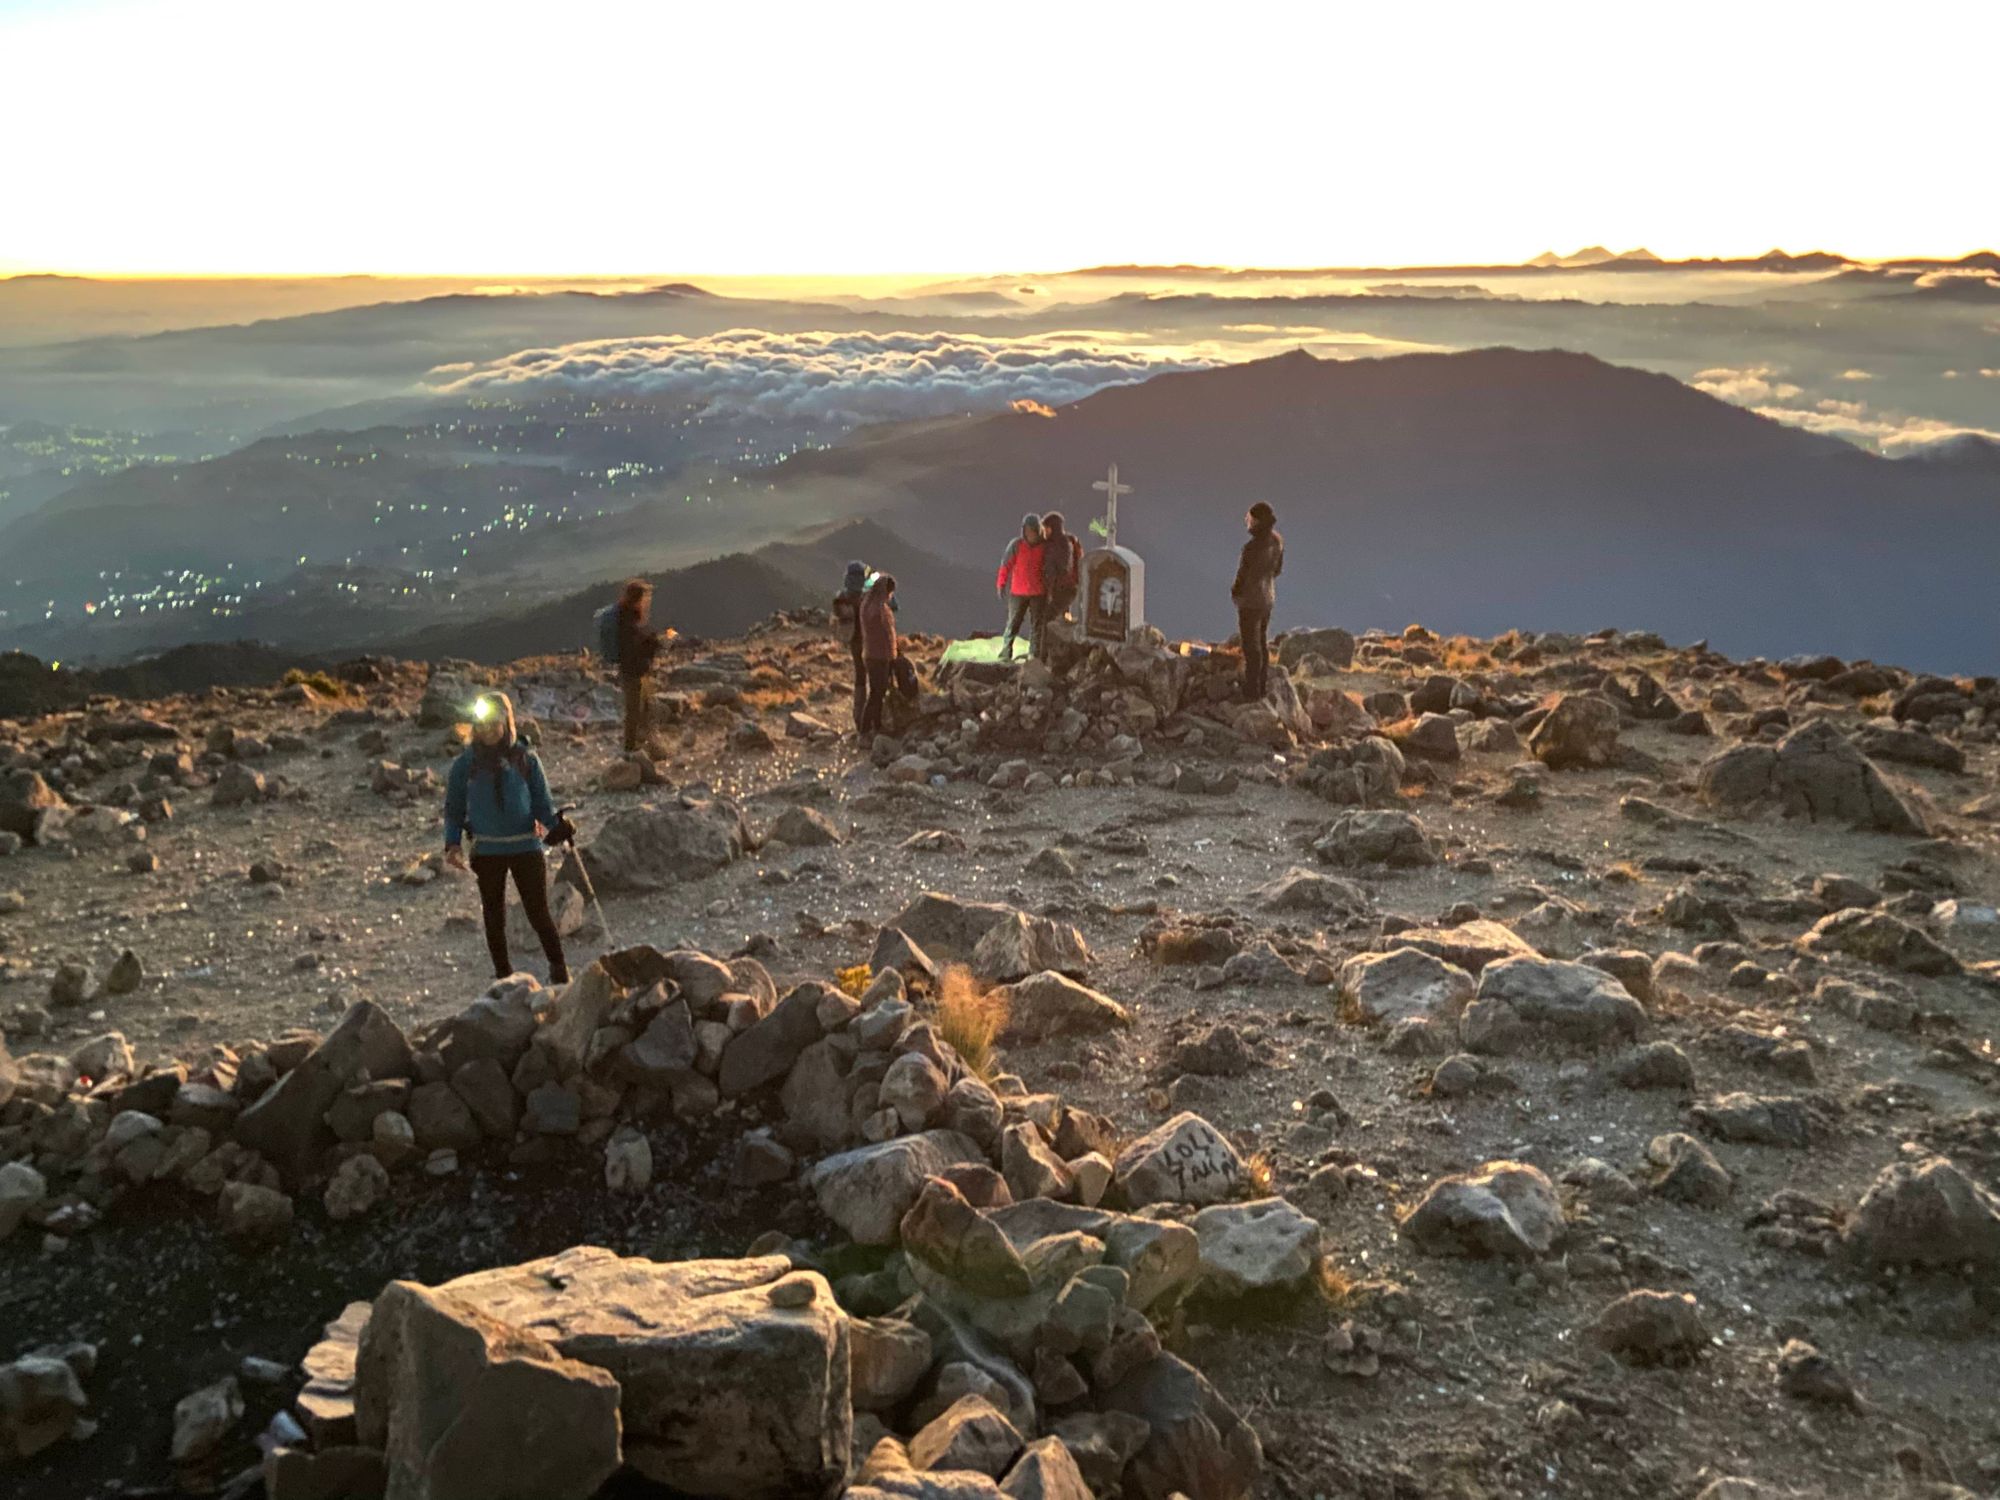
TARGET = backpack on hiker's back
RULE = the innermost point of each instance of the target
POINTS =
(607, 634)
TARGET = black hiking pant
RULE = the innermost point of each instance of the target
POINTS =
(531, 879)
(881, 672)
(638, 693)
(1253, 626)
(860, 684)
(1022, 609)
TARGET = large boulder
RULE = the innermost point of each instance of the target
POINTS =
(287, 1124)
(1336, 645)
(868, 1190)
(24, 797)
(1926, 1213)
(22, 1189)
(805, 828)
(1303, 890)
(946, 1232)
(497, 1026)
(1021, 944)
(1579, 733)
(767, 1051)
(653, 848)
(1651, 1328)
(1877, 938)
(1469, 945)
(1186, 1160)
(1405, 983)
(41, 1401)
(1570, 1002)
(1506, 1208)
(1368, 771)
(971, 1434)
(1381, 837)
(1265, 1246)
(1046, 1470)
(466, 1407)
(1814, 772)
(730, 1384)
(1049, 1005)
(947, 928)
(1198, 1446)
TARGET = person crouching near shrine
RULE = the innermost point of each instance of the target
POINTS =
(1255, 595)
(878, 644)
(496, 792)
(1019, 584)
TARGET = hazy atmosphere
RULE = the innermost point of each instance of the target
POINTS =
(892, 752)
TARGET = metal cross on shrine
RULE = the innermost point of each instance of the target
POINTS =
(1112, 490)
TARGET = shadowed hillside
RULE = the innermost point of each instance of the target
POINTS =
(1473, 490)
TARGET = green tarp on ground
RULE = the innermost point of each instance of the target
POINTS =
(983, 650)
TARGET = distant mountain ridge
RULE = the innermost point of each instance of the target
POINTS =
(1475, 492)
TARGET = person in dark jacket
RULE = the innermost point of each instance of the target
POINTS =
(1062, 572)
(878, 644)
(1255, 595)
(847, 616)
(1019, 584)
(496, 792)
(637, 646)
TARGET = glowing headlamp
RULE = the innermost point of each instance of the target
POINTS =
(482, 710)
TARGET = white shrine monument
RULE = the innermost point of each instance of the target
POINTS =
(1114, 577)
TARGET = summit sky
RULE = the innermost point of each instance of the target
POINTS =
(434, 137)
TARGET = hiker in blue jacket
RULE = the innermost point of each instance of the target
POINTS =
(497, 793)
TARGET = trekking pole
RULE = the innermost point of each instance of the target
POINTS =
(564, 833)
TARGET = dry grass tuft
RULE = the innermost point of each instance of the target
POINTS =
(1257, 1169)
(319, 682)
(971, 1019)
(1333, 1284)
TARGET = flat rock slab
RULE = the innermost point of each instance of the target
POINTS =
(722, 1391)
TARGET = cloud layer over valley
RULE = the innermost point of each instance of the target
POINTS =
(830, 377)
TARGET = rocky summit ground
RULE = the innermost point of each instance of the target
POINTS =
(1617, 1019)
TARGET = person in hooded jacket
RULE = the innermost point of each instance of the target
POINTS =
(1062, 572)
(638, 645)
(878, 642)
(1255, 595)
(496, 792)
(1019, 584)
(847, 616)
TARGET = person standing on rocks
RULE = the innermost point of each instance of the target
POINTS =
(1062, 572)
(847, 614)
(637, 646)
(497, 793)
(1019, 584)
(1255, 595)
(878, 642)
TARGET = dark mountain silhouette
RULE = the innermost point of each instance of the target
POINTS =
(29, 685)
(1475, 492)
(727, 595)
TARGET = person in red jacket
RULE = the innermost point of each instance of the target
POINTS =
(878, 647)
(1019, 585)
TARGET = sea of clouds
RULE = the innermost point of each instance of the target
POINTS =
(836, 378)
(1765, 391)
